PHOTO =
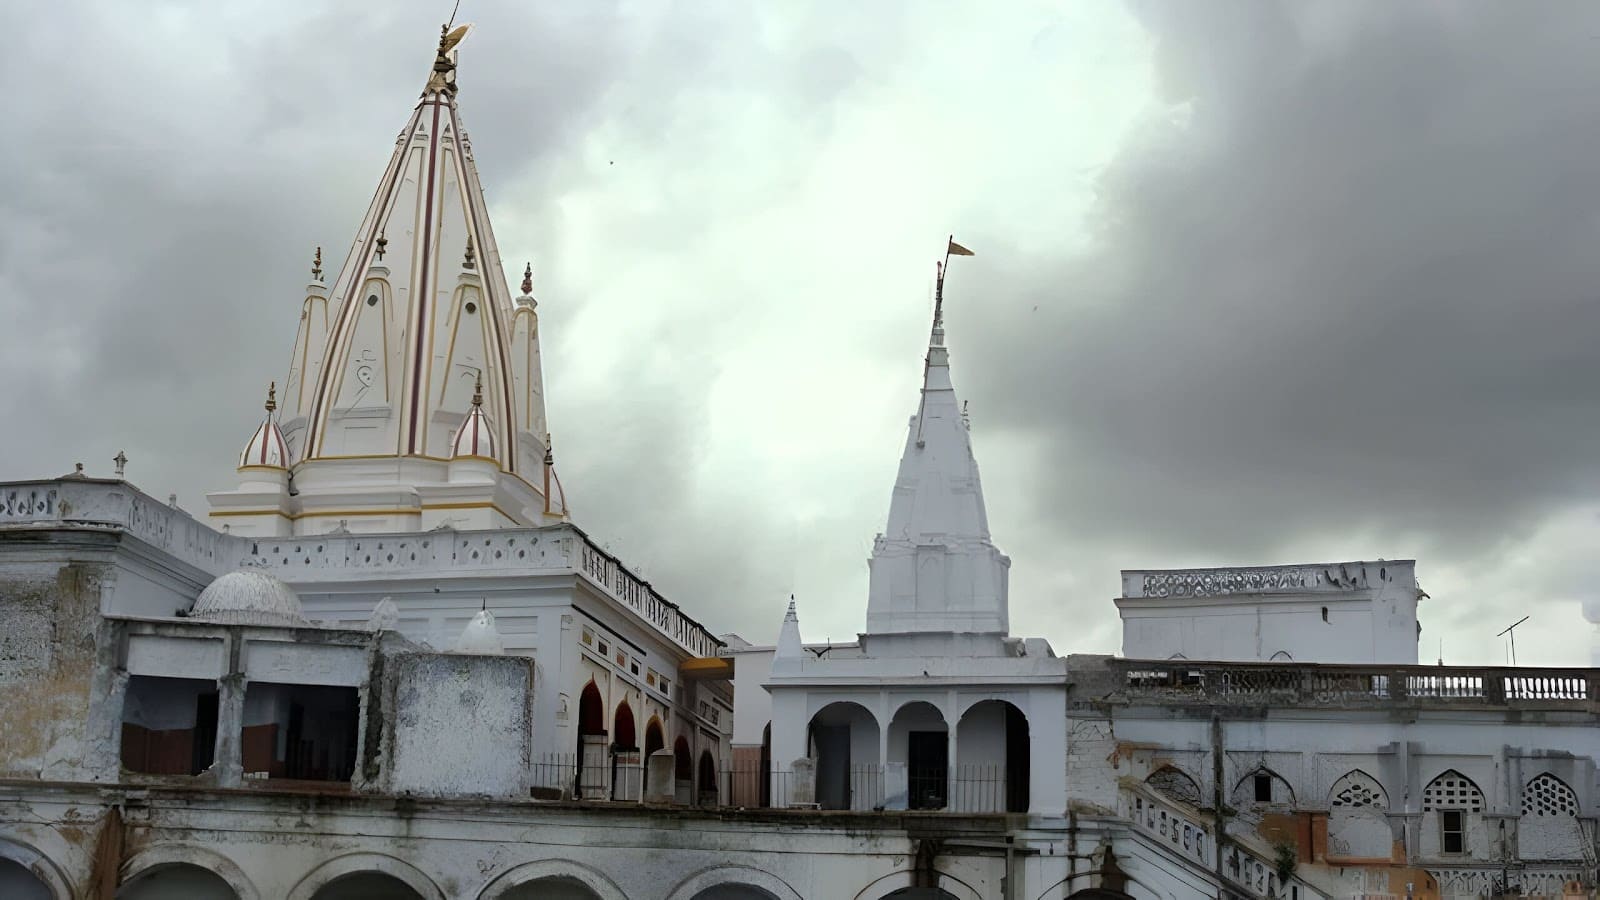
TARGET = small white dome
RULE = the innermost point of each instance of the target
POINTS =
(481, 636)
(475, 438)
(267, 446)
(248, 597)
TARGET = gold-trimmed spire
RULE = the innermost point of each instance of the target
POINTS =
(444, 63)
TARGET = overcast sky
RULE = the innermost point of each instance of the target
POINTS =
(1255, 282)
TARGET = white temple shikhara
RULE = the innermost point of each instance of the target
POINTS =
(388, 359)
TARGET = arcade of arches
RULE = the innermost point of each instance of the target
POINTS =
(919, 762)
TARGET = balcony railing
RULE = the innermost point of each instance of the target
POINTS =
(1183, 682)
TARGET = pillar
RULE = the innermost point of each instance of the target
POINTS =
(228, 763)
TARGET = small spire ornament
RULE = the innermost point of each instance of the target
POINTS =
(471, 261)
(121, 460)
(272, 397)
(383, 245)
(316, 266)
(527, 279)
(477, 390)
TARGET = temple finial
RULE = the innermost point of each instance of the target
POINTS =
(383, 245)
(444, 65)
(272, 397)
(121, 460)
(316, 266)
(477, 390)
(471, 260)
(527, 279)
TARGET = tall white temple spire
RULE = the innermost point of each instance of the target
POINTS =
(934, 567)
(389, 353)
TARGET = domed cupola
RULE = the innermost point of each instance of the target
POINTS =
(249, 597)
(267, 447)
(476, 437)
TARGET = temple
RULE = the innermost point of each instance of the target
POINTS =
(389, 663)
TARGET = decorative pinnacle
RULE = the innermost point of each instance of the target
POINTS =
(471, 261)
(272, 397)
(477, 391)
(383, 245)
(527, 279)
(121, 459)
(316, 266)
(549, 450)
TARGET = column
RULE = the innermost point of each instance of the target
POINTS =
(228, 763)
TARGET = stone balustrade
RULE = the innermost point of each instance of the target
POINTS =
(1183, 682)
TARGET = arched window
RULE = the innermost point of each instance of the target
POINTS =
(1356, 790)
(1547, 795)
(1452, 790)
(1176, 784)
(1263, 787)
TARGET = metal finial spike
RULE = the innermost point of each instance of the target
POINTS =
(272, 396)
(477, 391)
(316, 265)
(527, 279)
(471, 261)
(549, 450)
(383, 245)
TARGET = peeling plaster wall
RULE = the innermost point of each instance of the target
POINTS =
(461, 724)
(47, 664)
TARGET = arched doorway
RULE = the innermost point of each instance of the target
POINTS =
(766, 765)
(734, 892)
(655, 742)
(17, 883)
(706, 779)
(843, 739)
(592, 767)
(554, 887)
(992, 759)
(920, 738)
(175, 880)
(366, 886)
(627, 769)
(682, 771)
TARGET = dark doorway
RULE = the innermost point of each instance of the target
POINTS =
(205, 733)
(928, 768)
(1016, 760)
(833, 780)
(766, 765)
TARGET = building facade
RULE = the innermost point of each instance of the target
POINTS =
(389, 664)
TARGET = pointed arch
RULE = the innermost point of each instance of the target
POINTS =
(591, 710)
(654, 738)
(1176, 784)
(1356, 789)
(622, 726)
(1262, 786)
(1452, 790)
(1547, 795)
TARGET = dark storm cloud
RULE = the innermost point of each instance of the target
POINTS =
(1357, 292)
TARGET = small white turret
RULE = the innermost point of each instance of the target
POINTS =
(267, 448)
(481, 636)
(475, 439)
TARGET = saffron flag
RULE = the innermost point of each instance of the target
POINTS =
(956, 249)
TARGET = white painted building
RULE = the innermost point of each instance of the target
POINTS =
(1359, 612)
(390, 665)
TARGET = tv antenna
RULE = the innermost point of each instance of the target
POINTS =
(1512, 632)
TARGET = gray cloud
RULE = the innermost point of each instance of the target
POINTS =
(1335, 298)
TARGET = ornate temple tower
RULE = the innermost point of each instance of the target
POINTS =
(934, 569)
(388, 361)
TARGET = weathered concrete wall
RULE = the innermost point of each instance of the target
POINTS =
(461, 724)
(50, 612)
